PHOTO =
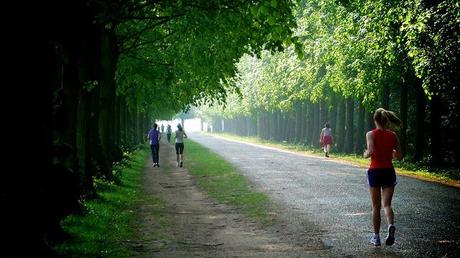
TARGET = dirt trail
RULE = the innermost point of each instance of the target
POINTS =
(202, 227)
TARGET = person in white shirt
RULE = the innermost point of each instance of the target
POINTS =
(180, 135)
(326, 139)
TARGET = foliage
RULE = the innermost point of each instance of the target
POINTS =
(176, 54)
(355, 50)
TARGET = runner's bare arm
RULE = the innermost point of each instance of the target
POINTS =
(370, 145)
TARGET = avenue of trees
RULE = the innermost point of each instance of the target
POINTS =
(92, 76)
(356, 56)
(88, 77)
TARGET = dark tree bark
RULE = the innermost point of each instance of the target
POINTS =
(360, 132)
(333, 115)
(316, 125)
(308, 125)
(298, 122)
(403, 114)
(341, 125)
(124, 123)
(435, 147)
(349, 125)
(386, 96)
(292, 126)
(107, 96)
(87, 77)
(420, 102)
(303, 115)
(117, 129)
(370, 125)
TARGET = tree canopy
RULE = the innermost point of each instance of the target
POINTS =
(372, 53)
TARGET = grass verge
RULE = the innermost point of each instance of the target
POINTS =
(107, 223)
(446, 177)
(223, 182)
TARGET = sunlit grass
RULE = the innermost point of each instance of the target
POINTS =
(223, 182)
(107, 222)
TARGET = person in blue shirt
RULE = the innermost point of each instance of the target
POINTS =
(154, 137)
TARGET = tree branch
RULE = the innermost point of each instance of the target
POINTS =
(149, 62)
(142, 43)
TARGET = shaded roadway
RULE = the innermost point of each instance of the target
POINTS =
(331, 200)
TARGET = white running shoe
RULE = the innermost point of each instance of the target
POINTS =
(375, 240)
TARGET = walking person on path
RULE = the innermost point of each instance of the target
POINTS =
(326, 139)
(162, 127)
(180, 135)
(382, 146)
(154, 137)
(168, 133)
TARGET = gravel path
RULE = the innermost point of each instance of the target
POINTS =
(329, 199)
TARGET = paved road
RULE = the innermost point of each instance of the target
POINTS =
(331, 199)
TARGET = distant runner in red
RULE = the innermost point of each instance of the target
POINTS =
(325, 139)
(382, 146)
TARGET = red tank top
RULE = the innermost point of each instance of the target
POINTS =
(384, 144)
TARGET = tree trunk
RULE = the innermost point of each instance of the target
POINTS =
(349, 127)
(420, 103)
(435, 147)
(99, 156)
(360, 133)
(84, 143)
(107, 93)
(132, 128)
(118, 153)
(258, 125)
(370, 125)
(386, 96)
(298, 122)
(316, 126)
(333, 115)
(403, 114)
(123, 123)
(341, 125)
(116, 122)
(291, 126)
(324, 110)
(142, 134)
(282, 126)
(135, 124)
(278, 126)
(309, 126)
(86, 73)
(302, 122)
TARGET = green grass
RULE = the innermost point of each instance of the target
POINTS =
(223, 182)
(108, 221)
(448, 177)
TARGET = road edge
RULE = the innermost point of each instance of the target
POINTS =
(400, 172)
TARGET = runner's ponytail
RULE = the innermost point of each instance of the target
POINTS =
(386, 118)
